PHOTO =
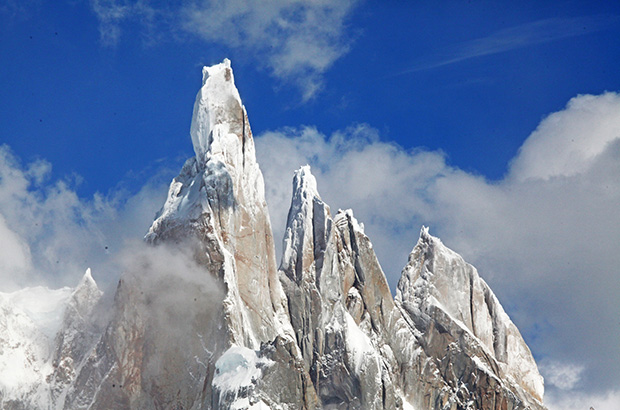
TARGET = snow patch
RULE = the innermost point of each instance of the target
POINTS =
(29, 320)
(358, 344)
(347, 215)
(238, 368)
(406, 405)
(304, 183)
(45, 307)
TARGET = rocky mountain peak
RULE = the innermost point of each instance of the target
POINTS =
(84, 297)
(306, 231)
(304, 184)
(218, 112)
(219, 327)
(438, 285)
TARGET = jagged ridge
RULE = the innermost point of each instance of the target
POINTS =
(222, 328)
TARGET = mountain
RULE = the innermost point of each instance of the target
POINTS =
(203, 317)
(43, 336)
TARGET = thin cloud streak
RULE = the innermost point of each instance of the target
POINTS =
(522, 36)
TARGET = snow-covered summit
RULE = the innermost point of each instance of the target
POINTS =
(42, 306)
(307, 217)
(218, 111)
(224, 173)
(85, 295)
(218, 202)
(304, 183)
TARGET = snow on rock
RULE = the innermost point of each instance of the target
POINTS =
(76, 336)
(236, 372)
(84, 297)
(306, 221)
(217, 110)
(24, 345)
(31, 321)
(438, 278)
(323, 331)
(359, 346)
(43, 306)
(218, 199)
(237, 368)
(336, 294)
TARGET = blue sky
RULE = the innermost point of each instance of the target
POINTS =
(470, 78)
(489, 121)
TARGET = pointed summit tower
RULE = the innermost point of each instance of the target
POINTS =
(175, 337)
(218, 203)
(218, 112)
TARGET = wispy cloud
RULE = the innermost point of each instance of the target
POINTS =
(563, 400)
(112, 13)
(49, 234)
(297, 41)
(564, 376)
(521, 36)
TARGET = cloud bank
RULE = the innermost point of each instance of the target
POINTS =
(295, 40)
(49, 235)
(545, 236)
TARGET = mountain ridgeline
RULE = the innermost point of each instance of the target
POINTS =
(207, 320)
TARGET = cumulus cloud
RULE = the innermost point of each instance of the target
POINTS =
(564, 376)
(545, 238)
(566, 142)
(48, 234)
(295, 40)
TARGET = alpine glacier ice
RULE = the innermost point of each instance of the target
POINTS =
(35, 325)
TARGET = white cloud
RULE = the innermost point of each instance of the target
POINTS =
(14, 256)
(18, 9)
(564, 376)
(110, 14)
(580, 401)
(545, 238)
(50, 235)
(566, 142)
(296, 40)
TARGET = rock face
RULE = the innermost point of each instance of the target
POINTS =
(203, 318)
(219, 200)
(443, 343)
(474, 355)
